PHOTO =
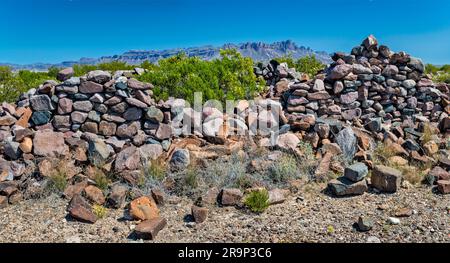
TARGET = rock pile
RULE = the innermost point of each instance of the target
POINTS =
(111, 122)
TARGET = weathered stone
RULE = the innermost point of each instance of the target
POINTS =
(41, 117)
(65, 74)
(277, 196)
(99, 76)
(84, 106)
(180, 159)
(89, 87)
(98, 152)
(356, 172)
(443, 186)
(144, 208)
(41, 103)
(344, 187)
(26, 146)
(231, 196)
(136, 84)
(158, 196)
(165, 131)
(386, 179)
(91, 127)
(94, 194)
(128, 159)
(7, 120)
(148, 229)
(65, 106)
(78, 117)
(132, 114)
(49, 144)
(107, 128)
(288, 141)
(81, 210)
(349, 97)
(438, 173)
(136, 103)
(199, 213)
(347, 141)
(117, 196)
(340, 71)
(364, 224)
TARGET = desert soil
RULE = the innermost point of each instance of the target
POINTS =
(308, 216)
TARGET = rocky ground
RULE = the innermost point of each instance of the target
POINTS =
(308, 216)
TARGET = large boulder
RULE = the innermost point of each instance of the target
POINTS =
(180, 159)
(49, 144)
(386, 179)
(65, 74)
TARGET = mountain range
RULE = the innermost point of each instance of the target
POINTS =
(258, 51)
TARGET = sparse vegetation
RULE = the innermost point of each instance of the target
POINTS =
(284, 169)
(100, 179)
(308, 64)
(156, 170)
(99, 210)
(257, 201)
(58, 181)
(439, 74)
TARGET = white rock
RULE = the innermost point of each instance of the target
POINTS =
(393, 220)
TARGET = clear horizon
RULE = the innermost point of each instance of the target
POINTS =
(52, 31)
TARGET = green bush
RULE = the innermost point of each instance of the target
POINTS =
(230, 77)
(439, 73)
(257, 201)
(12, 84)
(308, 64)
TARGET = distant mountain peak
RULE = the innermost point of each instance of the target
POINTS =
(258, 51)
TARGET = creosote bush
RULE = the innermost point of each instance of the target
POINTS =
(230, 77)
(257, 201)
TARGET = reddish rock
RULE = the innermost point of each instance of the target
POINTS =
(80, 210)
(231, 196)
(439, 173)
(443, 186)
(3, 201)
(199, 213)
(386, 179)
(144, 208)
(90, 87)
(65, 74)
(49, 144)
(25, 118)
(75, 189)
(148, 229)
(158, 196)
(94, 194)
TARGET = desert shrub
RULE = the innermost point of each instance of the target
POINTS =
(439, 73)
(308, 64)
(257, 201)
(191, 178)
(101, 180)
(156, 170)
(382, 153)
(58, 182)
(284, 169)
(427, 133)
(230, 77)
(99, 210)
(12, 84)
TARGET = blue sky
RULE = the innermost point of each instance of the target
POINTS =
(57, 30)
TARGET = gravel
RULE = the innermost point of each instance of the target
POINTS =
(308, 216)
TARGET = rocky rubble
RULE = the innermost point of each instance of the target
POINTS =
(111, 122)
